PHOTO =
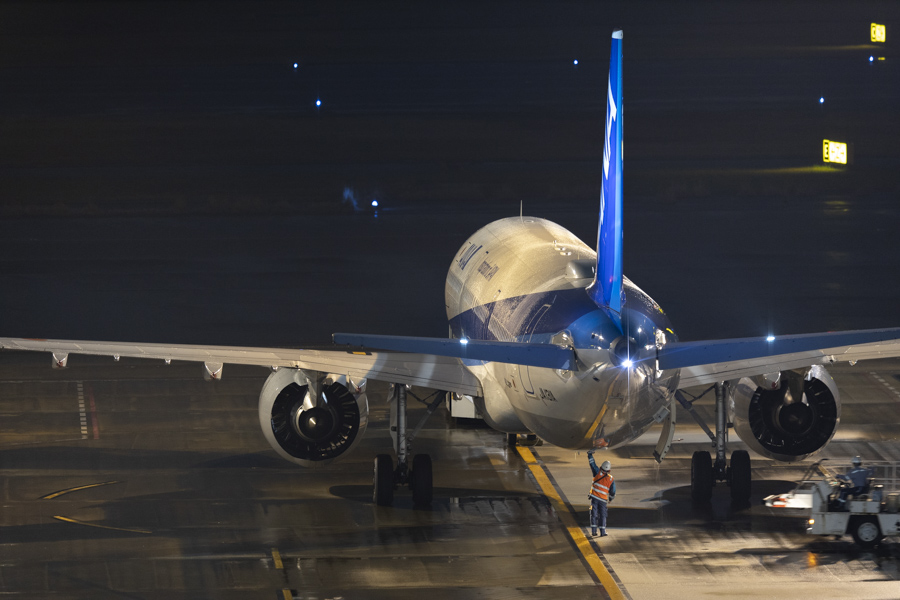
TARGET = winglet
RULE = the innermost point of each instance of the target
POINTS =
(606, 290)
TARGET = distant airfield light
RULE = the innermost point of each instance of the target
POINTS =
(770, 338)
(834, 152)
(871, 58)
(318, 102)
(878, 32)
(821, 99)
(295, 65)
(463, 341)
(575, 62)
(374, 203)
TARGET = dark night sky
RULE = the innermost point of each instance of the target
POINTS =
(191, 113)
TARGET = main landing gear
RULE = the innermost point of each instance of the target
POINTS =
(705, 471)
(417, 476)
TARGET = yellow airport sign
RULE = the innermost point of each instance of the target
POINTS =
(834, 152)
(878, 32)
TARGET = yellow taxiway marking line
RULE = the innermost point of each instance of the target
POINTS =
(68, 520)
(287, 594)
(276, 556)
(575, 532)
(75, 489)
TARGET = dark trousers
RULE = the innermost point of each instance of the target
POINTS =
(598, 514)
(852, 491)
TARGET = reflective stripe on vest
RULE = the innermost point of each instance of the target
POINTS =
(602, 483)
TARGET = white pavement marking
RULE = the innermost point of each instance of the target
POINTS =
(81, 410)
(885, 383)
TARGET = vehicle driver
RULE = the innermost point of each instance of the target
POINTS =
(858, 476)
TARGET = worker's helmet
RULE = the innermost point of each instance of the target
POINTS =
(605, 466)
(856, 461)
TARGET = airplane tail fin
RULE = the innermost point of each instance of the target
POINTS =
(606, 290)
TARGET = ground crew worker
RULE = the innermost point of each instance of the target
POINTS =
(858, 476)
(603, 490)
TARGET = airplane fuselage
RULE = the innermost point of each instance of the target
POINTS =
(524, 279)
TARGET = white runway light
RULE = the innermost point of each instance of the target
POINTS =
(770, 338)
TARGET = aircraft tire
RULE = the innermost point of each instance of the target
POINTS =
(866, 531)
(701, 476)
(421, 480)
(383, 488)
(740, 476)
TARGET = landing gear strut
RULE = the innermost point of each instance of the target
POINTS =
(705, 471)
(419, 476)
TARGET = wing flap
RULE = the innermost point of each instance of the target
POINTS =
(436, 372)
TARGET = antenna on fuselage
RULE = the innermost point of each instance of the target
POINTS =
(521, 204)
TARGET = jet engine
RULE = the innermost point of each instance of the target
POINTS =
(311, 418)
(786, 417)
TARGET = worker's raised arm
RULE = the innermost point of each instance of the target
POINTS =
(594, 468)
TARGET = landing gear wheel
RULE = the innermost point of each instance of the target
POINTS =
(866, 531)
(701, 476)
(421, 480)
(383, 494)
(740, 475)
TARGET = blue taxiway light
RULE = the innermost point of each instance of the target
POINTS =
(575, 62)
(821, 100)
(375, 203)
(295, 65)
(318, 102)
(871, 59)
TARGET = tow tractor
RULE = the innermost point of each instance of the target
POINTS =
(868, 517)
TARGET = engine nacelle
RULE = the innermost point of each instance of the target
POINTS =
(790, 422)
(312, 419)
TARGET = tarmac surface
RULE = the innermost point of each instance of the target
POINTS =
(161, 486)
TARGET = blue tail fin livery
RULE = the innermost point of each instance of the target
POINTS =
(606, 291)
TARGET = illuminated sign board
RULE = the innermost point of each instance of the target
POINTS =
(877, 32)
(834, 152)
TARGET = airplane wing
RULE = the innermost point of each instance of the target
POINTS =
(720, 360)
(426, 370)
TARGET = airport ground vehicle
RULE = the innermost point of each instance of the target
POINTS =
(868, 517)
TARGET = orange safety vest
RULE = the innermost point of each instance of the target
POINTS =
(602, 483)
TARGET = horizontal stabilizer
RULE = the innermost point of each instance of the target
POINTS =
(719, 360)
(535, 355)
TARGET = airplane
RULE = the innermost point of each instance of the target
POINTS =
(547, 338)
